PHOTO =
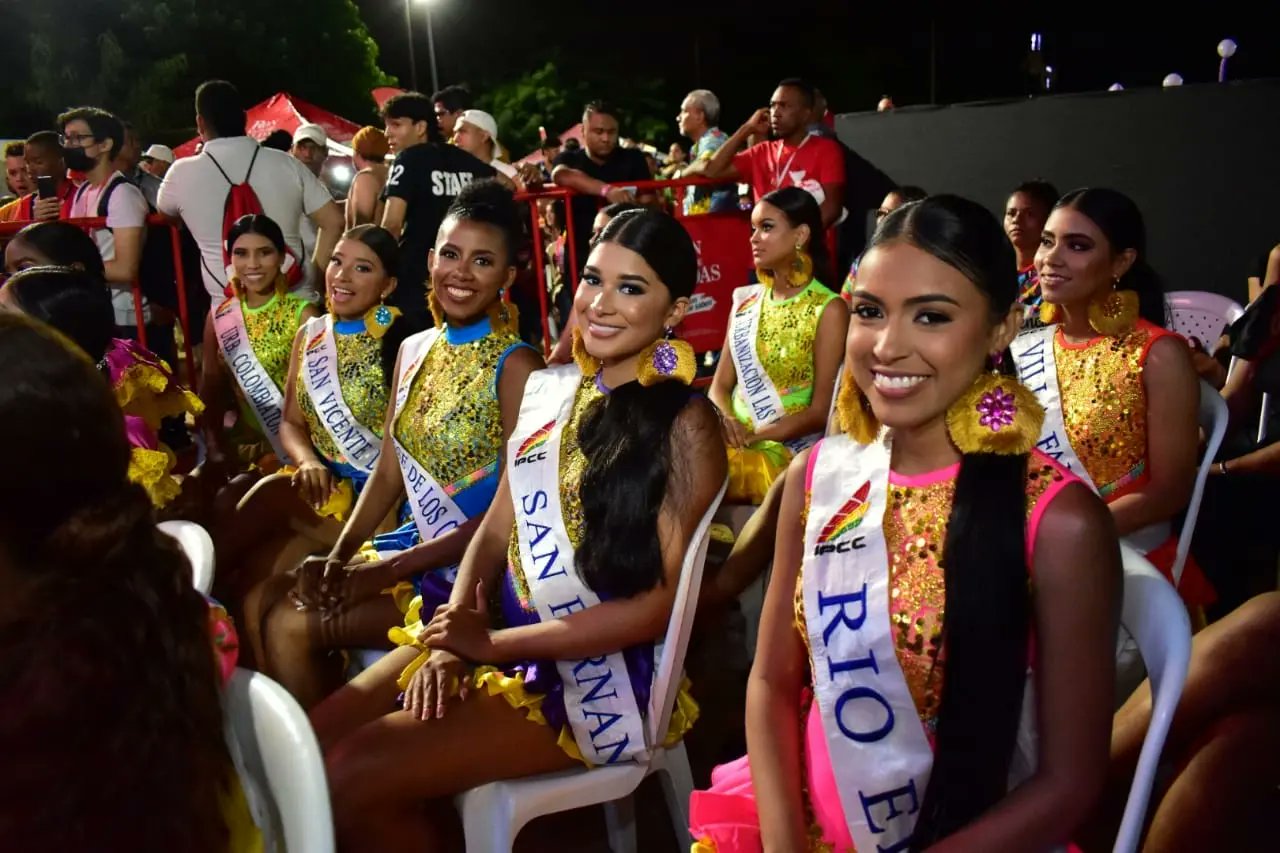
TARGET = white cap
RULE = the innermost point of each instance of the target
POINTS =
(483, 121)
(158, 152)
(312, 133)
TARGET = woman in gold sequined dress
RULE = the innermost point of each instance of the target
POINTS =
(625, 465)
(964, 589)
(453, 405)
(776, 375)
(335, 400)
(1127, 389)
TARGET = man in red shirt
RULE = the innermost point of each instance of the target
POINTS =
(792, 158)
(43, 157)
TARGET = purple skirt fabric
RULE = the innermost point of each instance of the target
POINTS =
(544, 678)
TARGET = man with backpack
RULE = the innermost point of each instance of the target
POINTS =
(233, 176)
(91, 140)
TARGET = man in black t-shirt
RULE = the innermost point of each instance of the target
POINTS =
(600, 171)
(421, 184)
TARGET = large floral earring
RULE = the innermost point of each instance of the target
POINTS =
(1115, 313)
(854, 411)
(667, 358)
(801, 267)
(998, 414)
(764, 277)
(379, 318)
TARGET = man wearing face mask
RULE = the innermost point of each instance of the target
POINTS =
(91, 140)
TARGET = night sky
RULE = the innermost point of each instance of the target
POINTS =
(854, 51)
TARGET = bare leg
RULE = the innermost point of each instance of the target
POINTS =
(304, 650)
(380, 775)
(1232, 671)
(1228, 794)
(363, 699)
(753, 549)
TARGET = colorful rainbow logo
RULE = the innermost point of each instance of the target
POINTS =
(747, 303)
(315, 342)
(536, 440)
(847, 517)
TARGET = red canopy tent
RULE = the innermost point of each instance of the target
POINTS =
(283, 111)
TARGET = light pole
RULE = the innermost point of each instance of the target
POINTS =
(408, 31)
(431, 48)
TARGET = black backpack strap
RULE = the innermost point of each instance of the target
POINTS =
(104, 200)
(252, 160)
(223, 171)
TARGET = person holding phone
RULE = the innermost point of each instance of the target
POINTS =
(42, 156)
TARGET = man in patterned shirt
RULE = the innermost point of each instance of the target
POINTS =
(699, 113)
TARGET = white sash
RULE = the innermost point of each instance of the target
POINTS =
(359, 445)
(434, 511)
(1033, 356)
(256, 385)
(879, 752)
(756, 389)
(598, 699)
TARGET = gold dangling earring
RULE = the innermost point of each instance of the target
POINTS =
(433, 305)
(998, 414)
(1050, 314)
(1115, 313)
(586, 362)
(667, 358)
(504, 317)
(854, 411)
(764, 277)
(282, 284)
(801, 267)
(379, 318)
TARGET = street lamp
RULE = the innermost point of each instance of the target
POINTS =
(431, 44)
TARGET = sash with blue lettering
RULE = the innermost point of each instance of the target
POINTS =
(256, 385)
(879, 752)
(1033, 355)
(599, 702)
(755, 388)
(359, 445)
(434, 511)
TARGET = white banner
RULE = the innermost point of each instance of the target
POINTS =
(256, 385)
(599, 701)
(754, 387)
(359, 445)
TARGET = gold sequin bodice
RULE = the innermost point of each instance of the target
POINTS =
(362, 384)
(1104, 405)
(451, 422)
(785, 339)
(915, 531)
(271, 329)
(572, 465)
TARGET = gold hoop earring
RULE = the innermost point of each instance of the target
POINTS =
(854, 411)
(1114, 313)
(801, 267)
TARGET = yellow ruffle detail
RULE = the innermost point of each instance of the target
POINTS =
(511, 688)
(150, 469)
(340, 501)
(722, 533)
(149, 393)
(406, 598)
(703, 845)
(753, 469)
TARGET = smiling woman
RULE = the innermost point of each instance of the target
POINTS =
(611, 462)
(924, 540)
(335, 398)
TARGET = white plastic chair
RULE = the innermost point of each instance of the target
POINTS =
(197, 544)
(279, 763)
(1213, 420)
(1155, 616)
(493, 814)
(1202, 315)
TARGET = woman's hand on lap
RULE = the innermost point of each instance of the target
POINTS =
(461, 629)
(443, 678)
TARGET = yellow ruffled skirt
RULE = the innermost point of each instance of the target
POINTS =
(753, 469)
